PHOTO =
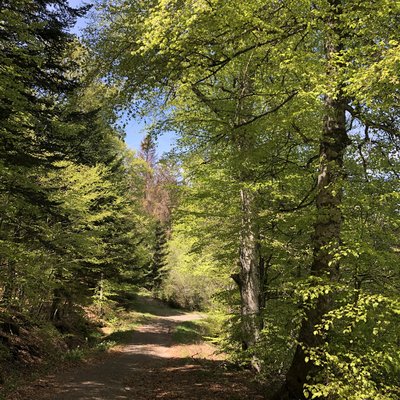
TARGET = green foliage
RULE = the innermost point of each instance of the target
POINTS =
(190, 332)
(361, 359)
(106, 345)
(72, 225)
(258, 93)
(192, 278)
(156, 275)
(75, 355)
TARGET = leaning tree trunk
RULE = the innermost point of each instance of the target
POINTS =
(327, 228)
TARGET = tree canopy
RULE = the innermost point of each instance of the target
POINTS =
(279, 208)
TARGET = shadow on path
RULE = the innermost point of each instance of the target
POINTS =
(151, 306)
(152, 367)
(154, 378)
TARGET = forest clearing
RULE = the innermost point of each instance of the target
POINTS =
(273, 211)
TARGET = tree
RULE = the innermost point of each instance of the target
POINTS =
(159, 200)
(70, 194)
(340, 55)
(34, 78)
(317, 68)
(33, 84)
(232, 108)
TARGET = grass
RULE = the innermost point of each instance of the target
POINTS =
(122, 325)
(75, 354)
(120, 321)
(118, 337)
(151, 307)
(123, 319)
(190, 332)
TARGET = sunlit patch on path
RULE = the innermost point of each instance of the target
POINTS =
(152, 367)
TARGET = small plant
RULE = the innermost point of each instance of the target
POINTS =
(74, 354)
(106, 345)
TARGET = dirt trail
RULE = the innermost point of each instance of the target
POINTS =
(151, 367)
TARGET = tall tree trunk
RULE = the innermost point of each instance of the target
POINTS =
(250, 276)
(326, 239)
(327, 228)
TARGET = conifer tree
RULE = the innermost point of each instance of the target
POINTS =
(68, 191)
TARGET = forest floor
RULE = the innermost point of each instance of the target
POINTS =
(154, 363)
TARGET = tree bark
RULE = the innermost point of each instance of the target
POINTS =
(327, 227)
(250, 276)
(326, 238)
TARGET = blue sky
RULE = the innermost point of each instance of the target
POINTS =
(135, 128)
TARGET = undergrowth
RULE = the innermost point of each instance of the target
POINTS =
(32, 348)
(189, 332)
(47, 346)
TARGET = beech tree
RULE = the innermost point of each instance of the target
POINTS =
(328, 73)
(232, 106)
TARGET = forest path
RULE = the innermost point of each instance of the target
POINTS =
(151, 367)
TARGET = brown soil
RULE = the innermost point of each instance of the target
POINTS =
(150, 367)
